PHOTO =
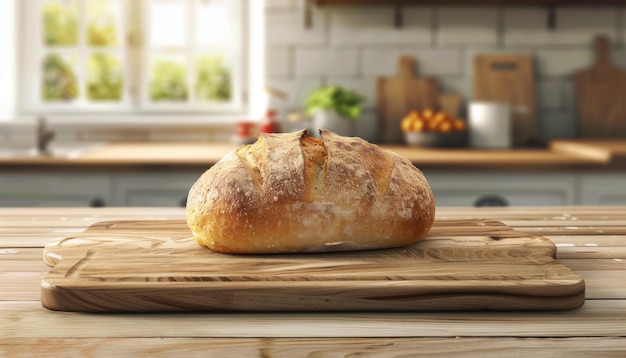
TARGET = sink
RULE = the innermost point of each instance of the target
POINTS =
(56, 149)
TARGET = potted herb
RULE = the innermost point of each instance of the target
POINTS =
(334, 108)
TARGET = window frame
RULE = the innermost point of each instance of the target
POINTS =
(247, 89)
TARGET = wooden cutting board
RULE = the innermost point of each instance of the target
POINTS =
(397, 96)
(600, 93)
(509, 78)
(142, 266)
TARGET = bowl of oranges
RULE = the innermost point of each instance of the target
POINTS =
(430, 128)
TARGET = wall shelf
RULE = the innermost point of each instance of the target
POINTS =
(398, 4)
(472, 2)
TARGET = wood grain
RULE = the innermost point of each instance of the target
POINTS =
(596, 329)
(596, 318)
(600, 96)
(466, 347)
(397, 96)
(157, 266)
(509, 78)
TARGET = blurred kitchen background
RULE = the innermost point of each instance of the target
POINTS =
(96, 72)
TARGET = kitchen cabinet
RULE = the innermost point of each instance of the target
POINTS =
(568, 173)
(53, 189)
(162, 188)
(502, 189)
(603, 189)
(95, 189)
(153, 188)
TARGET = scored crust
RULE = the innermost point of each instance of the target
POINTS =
(295, 193)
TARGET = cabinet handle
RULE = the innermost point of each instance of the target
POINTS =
(183, 202)
(491, 200)
(97, 203)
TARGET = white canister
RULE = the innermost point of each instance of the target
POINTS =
(490, 125)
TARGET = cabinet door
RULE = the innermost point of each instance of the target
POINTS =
(603, 189)
(153, 188)
(495, 189)
(54, 189)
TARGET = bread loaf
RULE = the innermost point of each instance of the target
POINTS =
(291, 193)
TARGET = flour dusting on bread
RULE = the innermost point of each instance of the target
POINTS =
(295, 193)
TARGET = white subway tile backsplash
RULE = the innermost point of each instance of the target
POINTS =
(288, 28)
(417, 27)
(326, 61)
(437, 62)
(456, 85)
(280, 4)
(375, 25)
(380, 61)
(550, 94)
(574, 26)
(557, 124)
(467, 26)
(353, 46)
(383, 61)
(569, 94)
(618, 57)
(297, 90)
(562, 62)
(278, 62)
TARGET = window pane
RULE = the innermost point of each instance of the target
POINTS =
(168, 79)
(59, 78)
(60, 22)
(103, 23)
(213, 22)
(105, 77)
(213, 79)
(168, 23)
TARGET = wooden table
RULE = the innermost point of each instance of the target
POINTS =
(591, 241)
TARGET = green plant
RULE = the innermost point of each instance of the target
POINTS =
(60, 23)
(169, 81)
(344, 101)
(59, 80)
(105, 77)
(212, 79)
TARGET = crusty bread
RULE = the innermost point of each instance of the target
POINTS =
(291, 192)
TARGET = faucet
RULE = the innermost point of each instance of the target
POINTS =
(44, 137)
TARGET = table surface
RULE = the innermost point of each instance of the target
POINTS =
(590, 240)
(559, 155)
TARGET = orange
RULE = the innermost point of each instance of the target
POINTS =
(406, 124)
(445, 126)
(459, 125)
(418, 125)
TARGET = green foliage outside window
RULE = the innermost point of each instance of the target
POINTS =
(212, 79)
(59, 80)
(60, 23)
(105, 78)
(169, 81)
(102, 31)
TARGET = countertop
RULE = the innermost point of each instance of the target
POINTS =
(590, 240)
(559, 154)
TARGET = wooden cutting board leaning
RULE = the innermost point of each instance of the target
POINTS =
(509, 78)
(148, 266)
(399, 95)
(600, 96)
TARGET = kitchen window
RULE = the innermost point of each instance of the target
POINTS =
(135, 57)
